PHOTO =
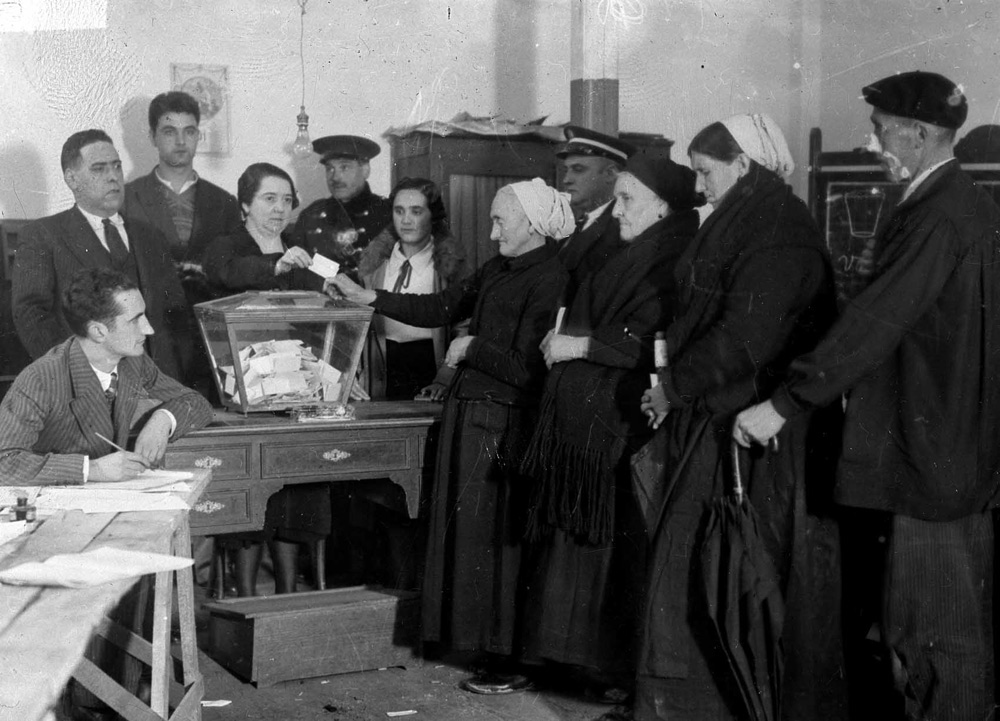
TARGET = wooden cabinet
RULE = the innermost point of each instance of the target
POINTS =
(253, 456)
(470, 169)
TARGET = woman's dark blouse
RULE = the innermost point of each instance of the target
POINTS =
(235, 263)
(511, 303)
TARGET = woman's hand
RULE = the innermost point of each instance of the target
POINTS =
(294, 257)
(758, 424)
(655, 406)
(457, 350)
(560, 348)
(434, 392)
(340, 286)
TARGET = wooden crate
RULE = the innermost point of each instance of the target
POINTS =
(267, 639)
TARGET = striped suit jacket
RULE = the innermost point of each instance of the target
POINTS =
(51, 415)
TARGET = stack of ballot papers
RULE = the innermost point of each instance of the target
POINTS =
(280, 371)
(91, 568)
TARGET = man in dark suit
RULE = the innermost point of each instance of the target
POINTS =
(591, 162)
(92, 234)
(914, 355)
(343, 225)
(99, 381)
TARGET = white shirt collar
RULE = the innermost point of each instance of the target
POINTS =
(187, 183)
(97, 223)
(912, 187)
(595, 213)
(104, 378)
(419, 260)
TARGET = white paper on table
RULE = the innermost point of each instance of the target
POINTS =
(260, 365)
(331, 392)
(91, 568)
(10, 531)
(326, 373)
(157, 480)
(254, 393)
(230, 385)
(324, 267)
(245, 354)
(101, 500)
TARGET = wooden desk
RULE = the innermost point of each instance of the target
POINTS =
(253, 456)
(44, 632)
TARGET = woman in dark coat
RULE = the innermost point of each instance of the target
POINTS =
(756, 291)
(471, 589)
(257, 258)
(589, 545)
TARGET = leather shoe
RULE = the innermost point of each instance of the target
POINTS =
(494, 684)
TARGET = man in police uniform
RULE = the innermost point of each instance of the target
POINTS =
(341, 226)
(591, 162)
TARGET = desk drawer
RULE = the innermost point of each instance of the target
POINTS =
(225, 462)
(333, 456)
(220, 508)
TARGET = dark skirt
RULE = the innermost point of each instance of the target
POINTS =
(409, 368)
(298, 514)
(584, 600)
(477, 508)
(683, 674)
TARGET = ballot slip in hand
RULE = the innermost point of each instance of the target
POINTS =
(324, 267)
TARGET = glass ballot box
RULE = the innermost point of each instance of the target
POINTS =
(282, 350)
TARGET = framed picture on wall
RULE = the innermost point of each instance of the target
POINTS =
(209, 85)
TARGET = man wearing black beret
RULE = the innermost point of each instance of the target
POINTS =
(591, 162)
(341, 226)
(914, 355)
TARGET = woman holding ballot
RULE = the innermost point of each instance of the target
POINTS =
(589, 541)
(257, 258)
(472, 583)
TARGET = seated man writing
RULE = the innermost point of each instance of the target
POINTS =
(67, 415)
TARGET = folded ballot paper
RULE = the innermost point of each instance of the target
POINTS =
(282, 371)
(91, 568)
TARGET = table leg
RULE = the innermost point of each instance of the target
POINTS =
(185, 606)
(162, 661)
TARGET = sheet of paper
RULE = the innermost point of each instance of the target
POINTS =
(10, 531)
(91, 568)
(324, 267)
(159, 480)
(102, 500)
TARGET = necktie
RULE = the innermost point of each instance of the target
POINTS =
(112, 391)
(403, 279)
(580, 222)
(116, 246)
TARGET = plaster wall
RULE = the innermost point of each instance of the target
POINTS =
(373, 64)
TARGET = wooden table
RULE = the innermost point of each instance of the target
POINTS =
(44, 632)
(253, 456)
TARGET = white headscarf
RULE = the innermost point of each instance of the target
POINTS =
(548, 210)
(762, 140)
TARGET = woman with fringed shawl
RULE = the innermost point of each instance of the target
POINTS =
(756, 291)
(478, 501)
(588, 542)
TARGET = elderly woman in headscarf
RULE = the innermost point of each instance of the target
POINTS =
(755, 292)
(588, 565)
(477, 503)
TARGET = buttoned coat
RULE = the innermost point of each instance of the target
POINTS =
(216, 213)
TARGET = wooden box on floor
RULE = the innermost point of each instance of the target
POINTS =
(267, 639)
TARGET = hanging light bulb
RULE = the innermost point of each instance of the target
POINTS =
(302, 147)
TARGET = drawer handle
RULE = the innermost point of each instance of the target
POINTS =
(208, 462)
(208, 506)
(336, 455)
